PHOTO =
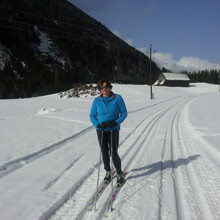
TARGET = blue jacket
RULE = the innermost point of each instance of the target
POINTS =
(114, 110)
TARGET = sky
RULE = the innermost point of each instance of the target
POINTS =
(185, 34)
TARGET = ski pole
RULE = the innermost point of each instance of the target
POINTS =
(99, 165)
(111, 163)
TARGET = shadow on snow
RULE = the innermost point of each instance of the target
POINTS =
(163, 165)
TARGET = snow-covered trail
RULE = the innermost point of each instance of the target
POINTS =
(49, 157)
(169, 171)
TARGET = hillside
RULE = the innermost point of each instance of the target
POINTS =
(49, 46)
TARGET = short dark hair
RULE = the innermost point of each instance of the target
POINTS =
(101, 82)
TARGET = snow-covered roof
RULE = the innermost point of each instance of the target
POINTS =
(176, 76)
(156, 83)
(162, 82)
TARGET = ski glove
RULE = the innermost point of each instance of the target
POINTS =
(112, 124)
(107, 124)
(103, 125)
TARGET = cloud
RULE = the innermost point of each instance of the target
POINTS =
(128, 40)
(117, 33)
(143, 50)
(191, 64)
(196, 63)
(185, 63)
(166, 60)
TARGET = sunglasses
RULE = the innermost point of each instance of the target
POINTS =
(104, 87)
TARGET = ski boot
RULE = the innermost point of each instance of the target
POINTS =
(120, 179)
(107, 178)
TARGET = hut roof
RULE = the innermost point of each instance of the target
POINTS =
(176, 76)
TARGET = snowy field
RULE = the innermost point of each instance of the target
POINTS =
(170, 147)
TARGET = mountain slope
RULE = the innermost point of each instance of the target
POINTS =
(48, 46)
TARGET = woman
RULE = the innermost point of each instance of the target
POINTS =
(107, 113)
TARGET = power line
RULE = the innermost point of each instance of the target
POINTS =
(57, 36)
(40, 26)
(60, 22)
(108, 43)
(46, 18)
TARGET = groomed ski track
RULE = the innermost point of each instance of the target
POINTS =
(168, 170)
(172, 170)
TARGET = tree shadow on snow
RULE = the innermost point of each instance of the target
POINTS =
(163, 165)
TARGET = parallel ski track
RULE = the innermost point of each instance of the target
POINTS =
(196, 200)
(203, 199)
(162, 167)
(84, 179)
(169, 135)
(147, 131)
(200, 197)
(15, 164)
(176, 178)
(18, 163)
(135, 149)
(49, 213)
(147, 134)
(158, 115)
(171, 129)
(150, 136)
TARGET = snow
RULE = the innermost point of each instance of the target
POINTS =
(176, 76)
(169, 146)
(47, 48)
(4, 56)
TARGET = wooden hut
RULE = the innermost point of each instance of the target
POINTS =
(173, 79)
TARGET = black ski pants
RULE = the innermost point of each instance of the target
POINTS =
(106, 149)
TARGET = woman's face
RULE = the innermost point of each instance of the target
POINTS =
(105, 89)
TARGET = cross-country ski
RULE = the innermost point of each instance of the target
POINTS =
(116, 191)
(101, 189)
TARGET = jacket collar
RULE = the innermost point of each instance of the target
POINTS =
(112, 95)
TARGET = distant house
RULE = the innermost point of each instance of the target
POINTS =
(173, 79)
